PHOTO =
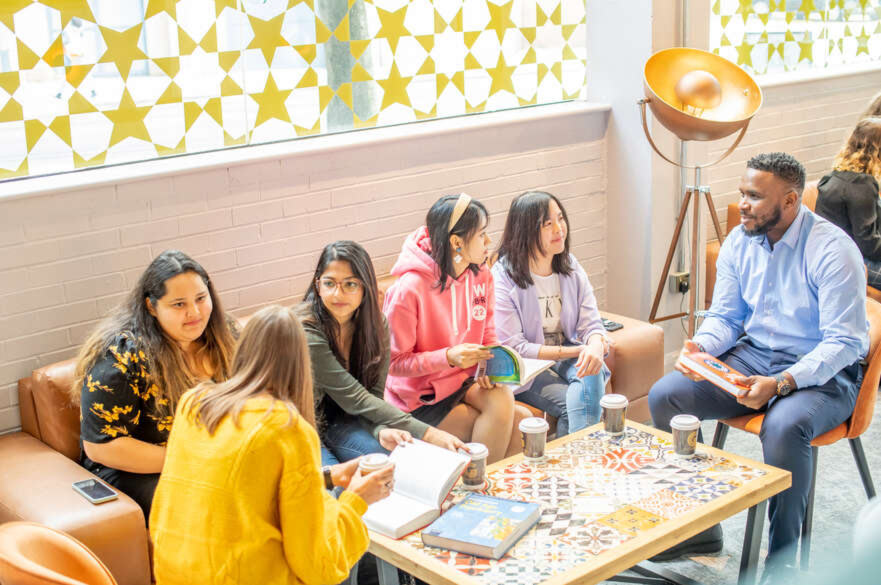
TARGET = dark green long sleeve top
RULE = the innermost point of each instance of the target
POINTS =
(331, 379)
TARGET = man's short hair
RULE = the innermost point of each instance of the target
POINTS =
(782, 165)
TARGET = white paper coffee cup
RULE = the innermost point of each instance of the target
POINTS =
(614, 408)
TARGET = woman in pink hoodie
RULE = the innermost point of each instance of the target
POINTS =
(440, 316)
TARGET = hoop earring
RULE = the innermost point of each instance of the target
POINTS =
(458, 257)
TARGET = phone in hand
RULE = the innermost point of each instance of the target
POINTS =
(611, 325)
(95, 491)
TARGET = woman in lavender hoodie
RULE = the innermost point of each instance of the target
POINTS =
(546, 309)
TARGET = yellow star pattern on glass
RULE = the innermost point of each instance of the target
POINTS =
(69, 9)
(267, 35)
(392, 26)
(394, 88)
(128, 120)
(122, 48)
(155, 7)
(502, 76)
(271, 102)
(500, 18)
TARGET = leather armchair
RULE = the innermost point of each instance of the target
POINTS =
(41, 462)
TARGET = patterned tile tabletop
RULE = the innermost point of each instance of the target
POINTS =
(596, 492)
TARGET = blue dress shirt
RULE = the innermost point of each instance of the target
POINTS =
(805, 297)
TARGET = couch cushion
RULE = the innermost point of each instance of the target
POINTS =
(58, 417)
(35, 485)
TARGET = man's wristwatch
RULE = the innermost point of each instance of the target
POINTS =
(328, 477)
(784, 388)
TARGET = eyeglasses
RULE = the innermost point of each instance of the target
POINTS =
(329, 286)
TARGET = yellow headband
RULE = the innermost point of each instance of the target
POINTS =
(461, 205)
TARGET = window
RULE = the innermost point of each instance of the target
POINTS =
(92, 82)
(771, 36)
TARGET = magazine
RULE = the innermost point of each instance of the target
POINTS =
(508, 367)
(715, 371)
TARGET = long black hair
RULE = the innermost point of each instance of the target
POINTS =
(168, 368)
(438, 222)
(368, 347)
(521, 241)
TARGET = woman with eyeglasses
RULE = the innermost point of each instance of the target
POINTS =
(349, 345)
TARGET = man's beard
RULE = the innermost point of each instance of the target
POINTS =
(764, 227)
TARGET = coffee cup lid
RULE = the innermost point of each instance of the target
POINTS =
(477, 451)
(614, 401)
(533, 424)
(685, 422)
(373, 461)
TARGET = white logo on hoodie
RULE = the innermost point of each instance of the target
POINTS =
(478, 312)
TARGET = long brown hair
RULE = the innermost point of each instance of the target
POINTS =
(874, 107)
(365, 357)
(272, 358)
(164, 358)
(521, 240)
(862, 152)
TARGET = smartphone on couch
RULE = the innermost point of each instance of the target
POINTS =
(95, 491)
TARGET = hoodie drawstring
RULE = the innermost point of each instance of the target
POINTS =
(468, 298)
(453, 309)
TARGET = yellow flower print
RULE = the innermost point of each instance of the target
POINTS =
(122, 359)
(163, 423)
(98, 410)
(92, 385)
(114, 431)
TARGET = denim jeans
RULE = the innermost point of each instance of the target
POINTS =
(789, 426)
(344, 437)
(573, 401)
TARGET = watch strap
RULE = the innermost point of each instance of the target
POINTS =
(328, 477)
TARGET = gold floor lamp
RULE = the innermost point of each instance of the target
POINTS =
(696, 95)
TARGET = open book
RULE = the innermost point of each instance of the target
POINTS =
(715, 371)
(424, 475)
(508, 367)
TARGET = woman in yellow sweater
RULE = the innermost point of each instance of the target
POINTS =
(241, 498)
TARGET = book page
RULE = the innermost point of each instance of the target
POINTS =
(534, 367)
(398, 515)
(426, 473)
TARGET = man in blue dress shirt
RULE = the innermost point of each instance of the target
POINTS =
(788, 311)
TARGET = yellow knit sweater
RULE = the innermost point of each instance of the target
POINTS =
(248, 505)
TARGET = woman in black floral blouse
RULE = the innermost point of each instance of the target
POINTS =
(167, 336)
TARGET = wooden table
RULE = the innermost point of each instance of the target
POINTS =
(608, 503)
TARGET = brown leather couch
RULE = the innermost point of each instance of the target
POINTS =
(808, 198)
(40, 462)
(636, 361)
(39, 466)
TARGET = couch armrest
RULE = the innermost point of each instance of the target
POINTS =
(637, 362)
(35, 485)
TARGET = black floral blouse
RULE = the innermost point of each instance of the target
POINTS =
(120, 399)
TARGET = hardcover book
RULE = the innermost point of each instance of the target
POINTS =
(715, 371)
(424, 475)
(482, 525)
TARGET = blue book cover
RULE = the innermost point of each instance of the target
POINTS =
(504, 366)
(482, 525)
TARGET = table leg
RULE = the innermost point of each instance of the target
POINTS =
(752, 543)
(388, 573)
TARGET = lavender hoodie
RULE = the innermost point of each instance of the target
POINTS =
(518, 315)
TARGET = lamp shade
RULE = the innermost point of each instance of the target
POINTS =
(698, 95)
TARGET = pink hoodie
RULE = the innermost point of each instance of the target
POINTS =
(424, 323)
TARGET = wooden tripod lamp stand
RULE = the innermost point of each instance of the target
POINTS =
(696, 95)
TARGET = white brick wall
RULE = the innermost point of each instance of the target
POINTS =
(67, 258)
(809, 120)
